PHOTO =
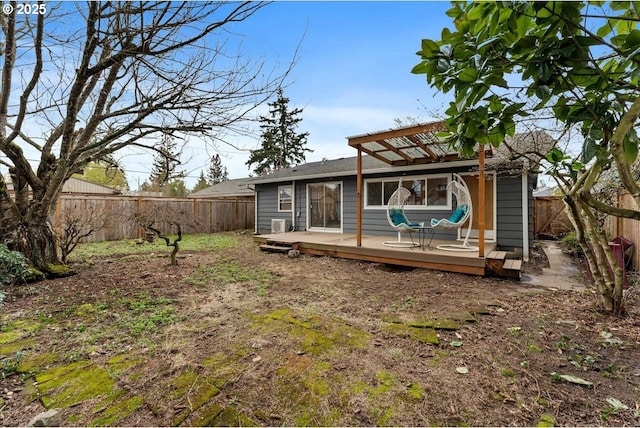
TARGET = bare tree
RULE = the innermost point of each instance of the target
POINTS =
(117, 74)
(163, 221)
(81, 222)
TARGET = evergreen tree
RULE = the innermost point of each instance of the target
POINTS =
(201, 184)
(281, 147)
(217, 172)
(165, 164)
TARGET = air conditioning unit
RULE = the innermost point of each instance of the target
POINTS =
(279, 225)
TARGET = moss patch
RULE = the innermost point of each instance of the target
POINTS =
(117, 411)
(17, 346)
(415, 391)
(10, 336)
(438, 324)
(58, 271)
(73, 383)
(36, 363)
(424, 335)
(316, 334)
(195, 390)
(231, 417)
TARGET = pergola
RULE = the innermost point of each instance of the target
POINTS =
(409, 146)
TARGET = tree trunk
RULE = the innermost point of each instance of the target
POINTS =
(36, 240)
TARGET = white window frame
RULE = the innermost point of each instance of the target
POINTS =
(425, 178)
(280, 210)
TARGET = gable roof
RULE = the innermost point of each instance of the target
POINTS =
(239, 187)
(391, 151)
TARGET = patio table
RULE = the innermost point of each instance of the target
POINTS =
(422, 235)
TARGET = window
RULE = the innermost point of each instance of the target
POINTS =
(437, 191)
(426, 192)
(284, 198)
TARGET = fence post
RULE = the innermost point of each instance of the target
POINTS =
(139, 209)
(59, 216)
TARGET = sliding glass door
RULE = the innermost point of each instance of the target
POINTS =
(325, 206)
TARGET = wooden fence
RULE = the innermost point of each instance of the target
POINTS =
(199, 215)
(549, 217)
(625, 227)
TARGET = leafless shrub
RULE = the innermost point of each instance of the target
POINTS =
(78, 222)
(163, 222)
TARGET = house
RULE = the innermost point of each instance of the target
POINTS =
(348, 196)
(240, 188)
(74, 186)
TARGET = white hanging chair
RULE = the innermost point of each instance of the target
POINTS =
(463, 213)
(398, 220)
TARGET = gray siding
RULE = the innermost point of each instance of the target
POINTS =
(509, 206)
(267, 203)
(374, 221)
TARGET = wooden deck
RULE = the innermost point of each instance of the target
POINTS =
(372, 250)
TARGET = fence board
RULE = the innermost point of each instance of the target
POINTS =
(550, 218)
(625, 227)
(207, 215)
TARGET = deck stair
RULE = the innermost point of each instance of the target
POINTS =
(499, 264)
(278, 247)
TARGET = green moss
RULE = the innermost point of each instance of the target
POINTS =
(438, 324)
(546, 421)
(391, 318)
(206, 415)
(310, 375)
(463, 316)
(37, 363)
(415, 391)
(27, 325)
(231, 417)
(424, 335)
(385, 417)
(195, 390)
(85, 309)
(58, 271)
(35, 274)
(123, 362)
(17, 346)
(534, 348)
(507, 372)
(386, 382)
(10, 336)
(117, 411)
(315, 334)
(67, 385)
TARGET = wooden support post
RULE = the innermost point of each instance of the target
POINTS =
(481, 200)
(359, 200)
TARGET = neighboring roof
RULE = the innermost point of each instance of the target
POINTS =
(544, 192)
(238, 187)
(77, 185)
(532, 145)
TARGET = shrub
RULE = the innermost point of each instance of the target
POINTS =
(14, 268)
(571, 245)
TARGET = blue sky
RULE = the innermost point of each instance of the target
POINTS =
(352, 76)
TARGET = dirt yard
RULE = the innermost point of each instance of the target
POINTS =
(237, 337)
